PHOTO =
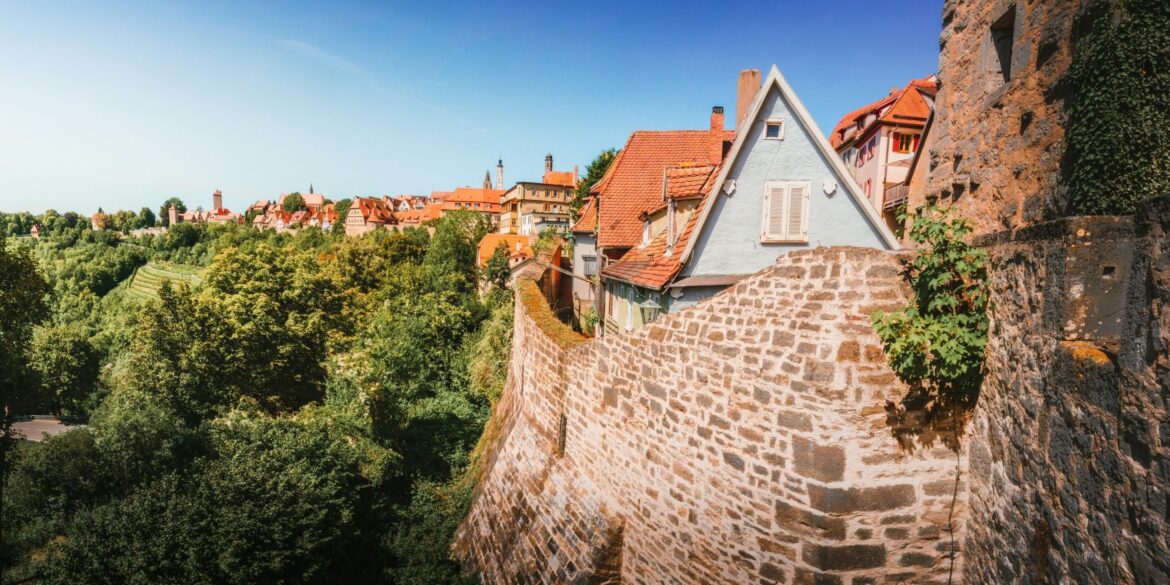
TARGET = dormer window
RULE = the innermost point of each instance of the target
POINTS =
(645, 233)
(774, 129)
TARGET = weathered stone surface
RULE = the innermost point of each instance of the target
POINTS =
(867, 499)
(700, 459)
(844, 558)
(824, 463)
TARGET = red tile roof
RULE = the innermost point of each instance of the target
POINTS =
(633, 183)
(586, 217)
(687, 181)
(519, 247)
(563, 178)
(372, 209)
(900, 107)
(649, 266)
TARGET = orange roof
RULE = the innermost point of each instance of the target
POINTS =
(633, 183)
(650, 267)
(586, 217)
(901, 107)
(474, 195)
(687, 181)
(518, 247)
(563, 178)
(373, 209)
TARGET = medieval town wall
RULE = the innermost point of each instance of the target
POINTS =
(998, 145)
(1068, 443)
(742, 440)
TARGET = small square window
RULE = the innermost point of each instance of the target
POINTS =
(774, 130)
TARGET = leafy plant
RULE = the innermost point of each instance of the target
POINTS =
(936, 342)
(1118, 130)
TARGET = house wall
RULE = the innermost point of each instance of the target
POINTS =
(583, 293)
(743, 440)
(730, 242)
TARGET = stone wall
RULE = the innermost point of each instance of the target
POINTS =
(999, 144)
(742, 440)
(1069, 442)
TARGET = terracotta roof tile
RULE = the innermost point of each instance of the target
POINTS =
(889, 108)
(633, 183)
(519, 247)
(563, 178)
(586, 217)
(649, 266)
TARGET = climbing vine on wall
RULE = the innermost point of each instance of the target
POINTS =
(1118, 130)
(936, 342)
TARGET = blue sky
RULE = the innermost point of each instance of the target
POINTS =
(122, 105)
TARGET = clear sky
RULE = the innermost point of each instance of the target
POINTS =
(123, 104)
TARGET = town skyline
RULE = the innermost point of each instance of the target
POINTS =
(379, 100)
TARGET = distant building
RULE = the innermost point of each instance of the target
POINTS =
(98, 221)
(519, 248)
(479, 200)
(35, 232)
(530, 208)
(879, 141)
(367, 214)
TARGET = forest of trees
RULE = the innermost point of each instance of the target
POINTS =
(307, 412)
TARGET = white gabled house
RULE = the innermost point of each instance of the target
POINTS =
(780, 188)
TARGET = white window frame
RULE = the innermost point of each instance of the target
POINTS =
(781, 236)
(526, 225)
(774, 122)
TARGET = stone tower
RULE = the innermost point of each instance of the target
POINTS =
(500, 174)
(217, 200)
(548, 163)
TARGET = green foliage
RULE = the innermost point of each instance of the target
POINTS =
(491, 353)
(497, 271)
(23, 303)
(421, 541)
(1118, 105)
(302, 410)
(164, 213)
(939, 337)
(293, 202)
(594, 171)
(935, 344)
(589, 319)
(146, 217)
(66, 364)
(342, 208)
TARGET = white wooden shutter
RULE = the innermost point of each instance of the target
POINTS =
(774, 214)
(796, 227)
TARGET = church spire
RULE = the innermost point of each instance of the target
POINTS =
(487, 179)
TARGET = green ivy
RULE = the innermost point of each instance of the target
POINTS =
(935, 343)
(1118, 130)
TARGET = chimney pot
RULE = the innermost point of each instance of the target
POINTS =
(715, 136)
(746, 89)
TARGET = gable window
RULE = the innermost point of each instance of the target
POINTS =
(785, 211)
(645, 233)
(774, 129)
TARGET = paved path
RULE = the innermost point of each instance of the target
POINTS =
(37, 428)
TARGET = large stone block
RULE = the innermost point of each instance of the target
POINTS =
(821, 462)
(844, 557)
(854, 499)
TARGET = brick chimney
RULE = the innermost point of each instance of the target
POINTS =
(749, 85)
(715, 136)
(216, 200)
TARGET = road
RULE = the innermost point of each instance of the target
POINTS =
(37, 428)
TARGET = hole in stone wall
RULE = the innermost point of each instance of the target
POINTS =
(1108, 271)
(561, 429)
(1002, 39)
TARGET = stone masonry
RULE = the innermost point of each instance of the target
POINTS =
(743, 440)
(998, 143)
(1070, 442)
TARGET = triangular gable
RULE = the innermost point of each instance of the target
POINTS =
(834, 162)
